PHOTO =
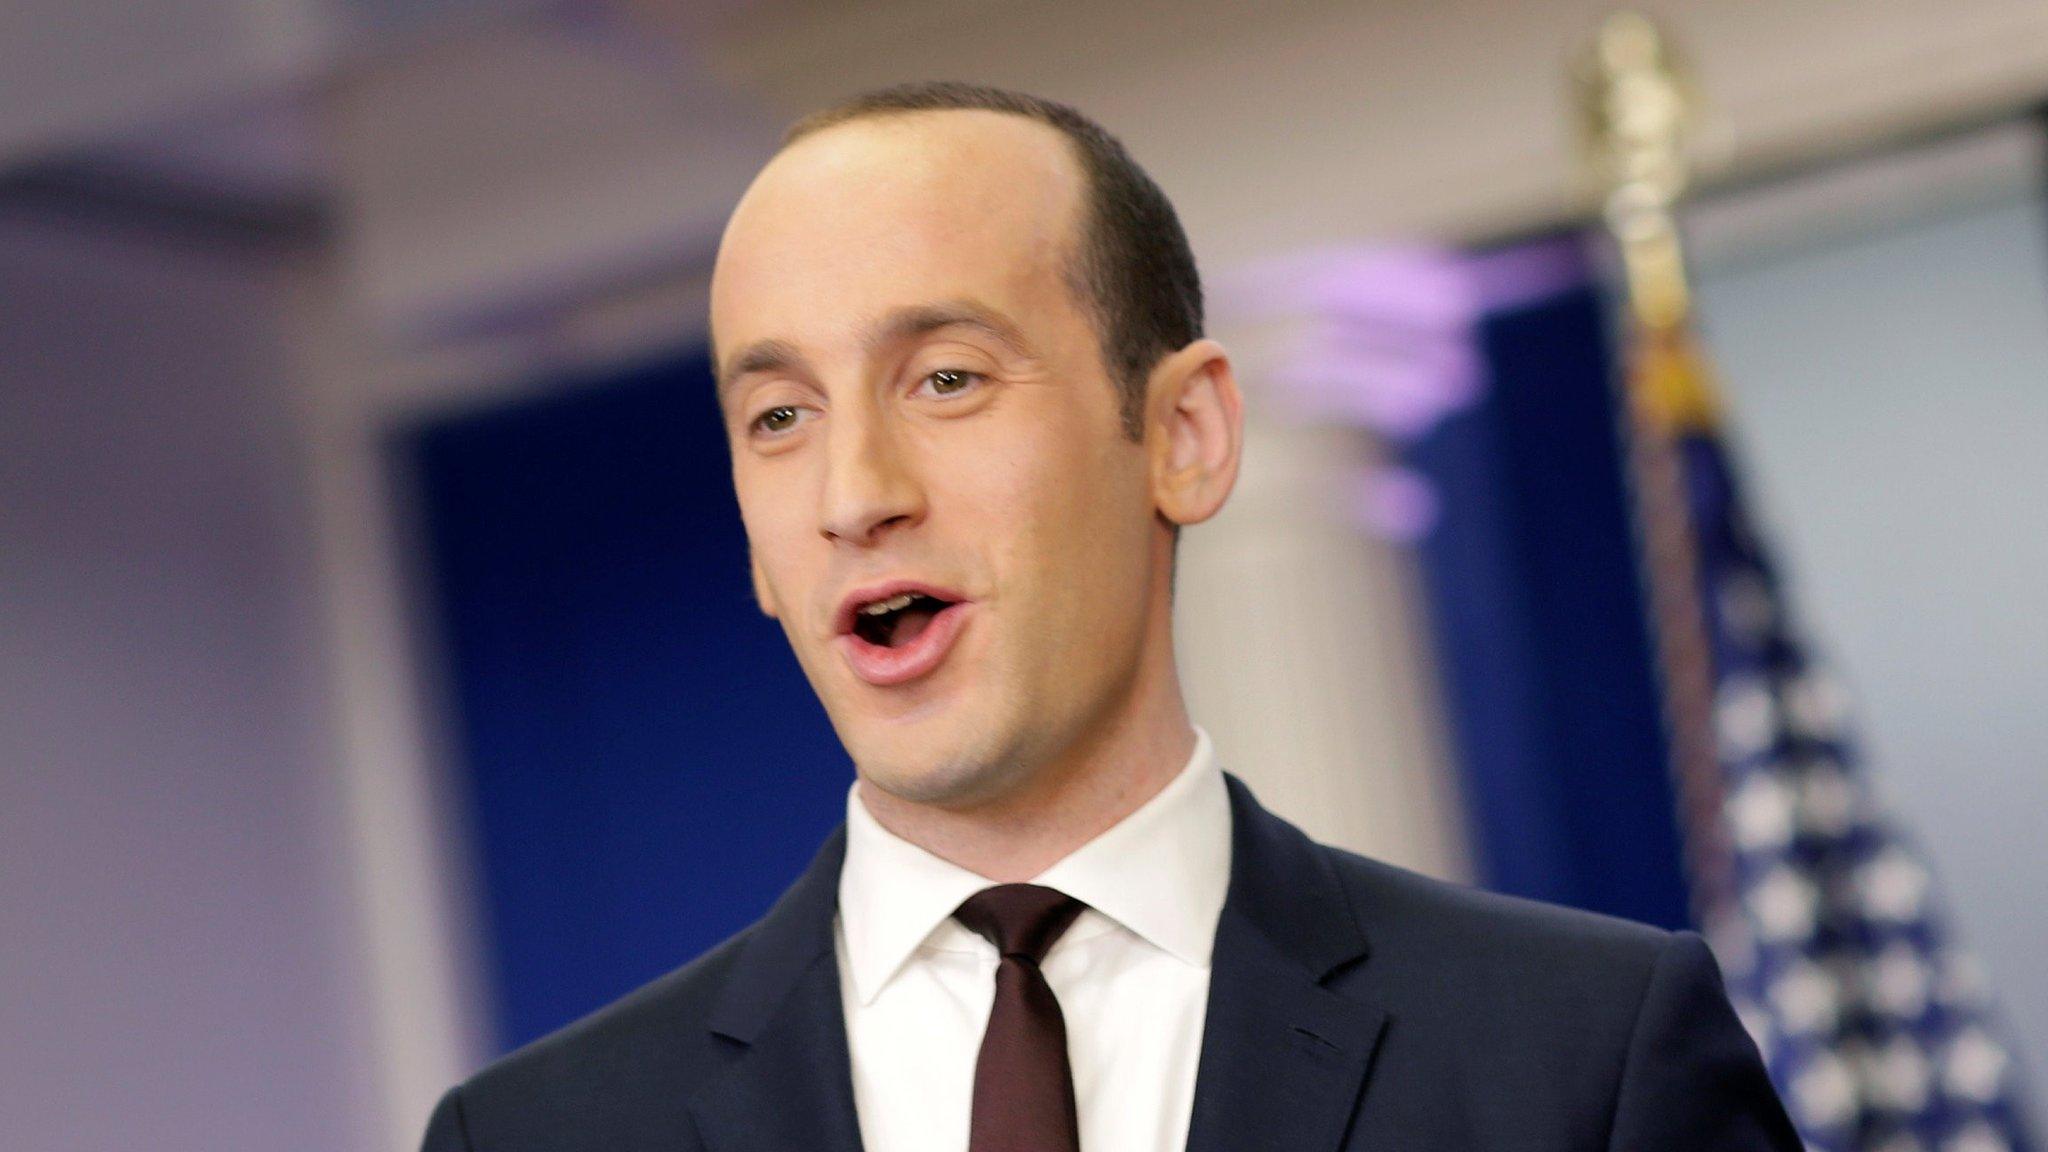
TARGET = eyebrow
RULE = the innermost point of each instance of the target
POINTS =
(904, 324)
(908, 323)
(760, 356)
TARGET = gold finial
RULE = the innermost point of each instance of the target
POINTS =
(1637, 105)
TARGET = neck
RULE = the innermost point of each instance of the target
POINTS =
(1063, 803)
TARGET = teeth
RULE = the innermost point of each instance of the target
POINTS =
(892, 604)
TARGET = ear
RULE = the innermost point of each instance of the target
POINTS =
(1195, 433)
(763, 595)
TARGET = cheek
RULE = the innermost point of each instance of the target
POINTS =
(775, 537)
(1060, 510)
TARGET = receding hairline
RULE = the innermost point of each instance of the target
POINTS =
(820, 123)
(1080, 207)
(1076, 157)
(1128, 263)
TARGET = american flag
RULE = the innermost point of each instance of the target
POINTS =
(1876, 1024)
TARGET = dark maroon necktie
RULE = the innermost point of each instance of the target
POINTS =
(1023, 1086)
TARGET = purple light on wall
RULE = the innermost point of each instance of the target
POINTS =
(1389, 342)
(1394, 503)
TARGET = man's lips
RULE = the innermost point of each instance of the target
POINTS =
(859, 598)
(885, 665)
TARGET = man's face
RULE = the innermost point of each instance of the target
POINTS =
(945, 514)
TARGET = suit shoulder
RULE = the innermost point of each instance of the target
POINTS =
(1408, 914)
(1544, 997)
(657, 1032)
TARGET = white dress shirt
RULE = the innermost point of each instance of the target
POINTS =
(1131, 973)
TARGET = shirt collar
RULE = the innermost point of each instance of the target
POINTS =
(1162, 872)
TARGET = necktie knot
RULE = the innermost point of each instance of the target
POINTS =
(1023, 920)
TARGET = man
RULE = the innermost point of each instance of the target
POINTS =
(958, 342)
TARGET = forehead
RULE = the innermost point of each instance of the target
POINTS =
(898, 211)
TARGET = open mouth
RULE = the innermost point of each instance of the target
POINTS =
(898, 621)
(898, 633)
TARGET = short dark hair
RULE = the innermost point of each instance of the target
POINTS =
(1132, 265)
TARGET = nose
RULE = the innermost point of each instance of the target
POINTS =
(869, 488)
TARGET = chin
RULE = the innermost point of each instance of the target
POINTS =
(944, 762)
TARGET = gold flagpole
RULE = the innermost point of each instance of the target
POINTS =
(1637, 106)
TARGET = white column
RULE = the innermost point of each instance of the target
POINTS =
(408, 859)
(1301, 644)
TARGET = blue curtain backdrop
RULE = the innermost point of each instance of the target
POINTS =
(648, 768)
(1540, 625)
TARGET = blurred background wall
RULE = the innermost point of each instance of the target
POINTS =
(1901, 466)
(251, 249)
(174, 876)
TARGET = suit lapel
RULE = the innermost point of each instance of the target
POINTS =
(789, 1084)
(1284, 1058)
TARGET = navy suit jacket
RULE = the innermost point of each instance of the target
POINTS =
(1352, 1005)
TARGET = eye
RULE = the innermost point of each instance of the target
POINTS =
(780, 418)
(950, 381)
